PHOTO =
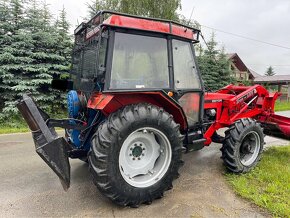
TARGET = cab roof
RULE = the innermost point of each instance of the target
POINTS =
(121, 20)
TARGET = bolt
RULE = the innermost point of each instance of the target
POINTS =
(140, 144)
(135, 145)
(130, 154)
(131, 149)
(144, 131)
(161, 151)
(143, 154)
(143, 148)
(133, 158)
(139, 158)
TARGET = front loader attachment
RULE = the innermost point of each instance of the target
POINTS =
(277, 126)
(48, 145)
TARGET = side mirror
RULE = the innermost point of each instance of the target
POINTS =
(61, 84)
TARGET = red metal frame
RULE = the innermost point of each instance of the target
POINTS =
(231, 104)
(150, 25)
(111, 102)
(236, 102)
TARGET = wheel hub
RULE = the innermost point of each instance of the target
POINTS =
(250, 148)
(137, 150)
(144, 157)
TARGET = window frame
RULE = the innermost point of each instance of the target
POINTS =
(196, 67)
(110, 53)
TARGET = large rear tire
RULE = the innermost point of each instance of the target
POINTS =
(136, 154)
(243, 146)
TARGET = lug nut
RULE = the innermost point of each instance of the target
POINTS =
(130, 154)
(143, 148)
(131, 149)
(133, 158)
(143, 154)
(139, 158)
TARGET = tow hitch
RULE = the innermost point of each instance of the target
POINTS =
(48, 145)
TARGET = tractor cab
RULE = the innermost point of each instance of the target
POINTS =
(117, 52)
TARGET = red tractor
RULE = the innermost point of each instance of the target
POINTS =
(137, 101)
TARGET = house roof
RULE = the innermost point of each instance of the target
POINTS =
(273, 79)
(254, 74)
(237, 61)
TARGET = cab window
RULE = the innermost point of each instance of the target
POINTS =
(185, 73)
(139, 62)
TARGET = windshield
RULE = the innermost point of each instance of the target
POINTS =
(139, 62)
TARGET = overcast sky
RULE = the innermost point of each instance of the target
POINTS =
(264, 20)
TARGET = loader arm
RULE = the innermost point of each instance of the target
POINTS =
(233, 103)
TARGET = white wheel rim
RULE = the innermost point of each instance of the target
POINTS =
(250, 148)
(145, 157)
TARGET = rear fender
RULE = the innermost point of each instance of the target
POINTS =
(110, 102)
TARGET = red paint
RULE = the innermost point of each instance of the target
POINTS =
(150, 25)
(235, 102)
(231, 104)
(109, 103)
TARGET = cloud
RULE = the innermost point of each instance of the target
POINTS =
(260, 19)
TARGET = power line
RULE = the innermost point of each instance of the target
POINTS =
(273, 65)
(248, 38)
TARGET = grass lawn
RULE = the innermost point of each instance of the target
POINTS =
(17, 124)
(268, 185)
(13, 125)
(282, 106)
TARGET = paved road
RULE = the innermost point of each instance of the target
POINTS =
(29, 188)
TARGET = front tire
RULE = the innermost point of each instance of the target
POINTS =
(136, 154)
(243, 146)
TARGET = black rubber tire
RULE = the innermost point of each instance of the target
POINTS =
(233, 141)
(106, 145)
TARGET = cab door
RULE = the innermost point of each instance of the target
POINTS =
(188, 85)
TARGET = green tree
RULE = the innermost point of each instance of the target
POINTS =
(5, 17)
(270, 71)
(166, 9)
(50, 53)
(13, 55)
(32, 53)
(214, 65)
(63, 48)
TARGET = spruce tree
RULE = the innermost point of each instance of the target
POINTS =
(5, 17)
(63, 49)
(214, 66)
(32, 53)
(14, 55)
(270, 71)
(49, 55)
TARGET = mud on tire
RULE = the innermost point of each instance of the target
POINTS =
(106, 147)
(243, 145)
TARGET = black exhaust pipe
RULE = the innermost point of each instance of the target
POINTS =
(48, 145)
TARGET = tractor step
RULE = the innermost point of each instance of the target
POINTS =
(48, 145)
(195, 145)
